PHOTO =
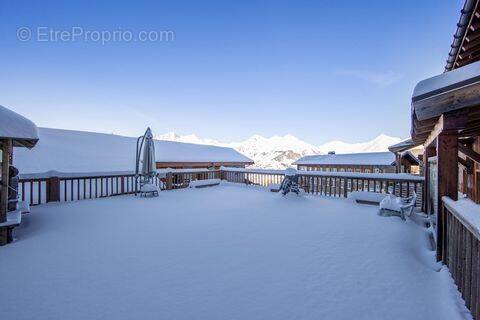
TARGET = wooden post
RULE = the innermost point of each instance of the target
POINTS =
(169, 181)
(427, 153)
(6, 150)
(447, 164)
(53, 189)
(398, 162)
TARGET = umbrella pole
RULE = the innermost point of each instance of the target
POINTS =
(137, 160)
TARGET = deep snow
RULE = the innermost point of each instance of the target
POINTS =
(226, 252)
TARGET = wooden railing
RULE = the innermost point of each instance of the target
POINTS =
(334, 184)
(37, 191)
(181, 178)
(461, 254)
(255, 177)
(70, 188)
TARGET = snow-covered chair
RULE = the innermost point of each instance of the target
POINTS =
(148, 189)
(396, 206)
(290, 182)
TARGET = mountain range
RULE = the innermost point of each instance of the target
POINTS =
(279, 152)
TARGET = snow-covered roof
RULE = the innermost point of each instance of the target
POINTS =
(14, 126)
(447, 81)
(79, 151)
(367, 159)
(403, 145)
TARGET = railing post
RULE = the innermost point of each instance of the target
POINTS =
(53, 189)
(122, 187)
(345, 191)
(169, 182)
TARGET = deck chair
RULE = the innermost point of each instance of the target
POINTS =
(403, 209)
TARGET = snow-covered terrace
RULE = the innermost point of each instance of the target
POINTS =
(226, 252)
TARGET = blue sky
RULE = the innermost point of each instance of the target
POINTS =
(320, 70)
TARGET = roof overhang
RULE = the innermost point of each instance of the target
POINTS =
(450, 92)
(22, 131)
(410, 157)
(403, 146)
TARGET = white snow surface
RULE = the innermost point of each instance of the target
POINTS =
(252, 255)
(13, 125)
(83, 152)
(369, 158)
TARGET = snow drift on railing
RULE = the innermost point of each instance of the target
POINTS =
(337, 174)
(53, 173)
(466, 210)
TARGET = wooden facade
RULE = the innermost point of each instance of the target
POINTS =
(348, 168)
(402, 162)
(446, 121)
(199, 165)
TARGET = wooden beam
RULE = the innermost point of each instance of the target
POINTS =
(469, 153)
(466, 164)
(471, 36)
(6, 149)
(447, 166)
(468, 53)
(450, 123)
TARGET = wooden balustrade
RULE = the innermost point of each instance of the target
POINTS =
(333, 184)
(41, 190)
(461, 254)
(36, 191)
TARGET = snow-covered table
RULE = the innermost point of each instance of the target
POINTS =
(367, 197)
(204, 183)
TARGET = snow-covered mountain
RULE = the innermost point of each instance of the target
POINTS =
(380, 143)
(280, 152)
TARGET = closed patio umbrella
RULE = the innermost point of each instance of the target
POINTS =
(148, 159)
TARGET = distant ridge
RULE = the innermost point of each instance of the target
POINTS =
(279, 152)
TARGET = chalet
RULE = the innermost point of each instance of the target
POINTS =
(403, 147)
(373, 162)
(445, 119)
(69, 151)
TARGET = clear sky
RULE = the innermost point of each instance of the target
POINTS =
(320, 70)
